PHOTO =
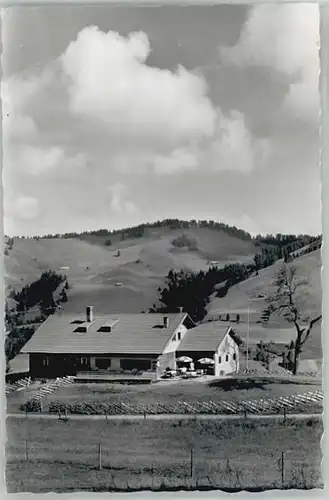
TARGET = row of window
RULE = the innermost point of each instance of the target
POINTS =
(45, 361)
(227, 357)
(105, 363)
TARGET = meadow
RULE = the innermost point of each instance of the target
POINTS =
(44, 455)
(172, 392)
(251, 294)
(93, 268)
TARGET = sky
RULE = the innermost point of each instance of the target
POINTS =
(117, 116)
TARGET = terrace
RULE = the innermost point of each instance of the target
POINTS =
(115, 377)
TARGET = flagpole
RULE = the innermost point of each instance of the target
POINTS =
(248, 331)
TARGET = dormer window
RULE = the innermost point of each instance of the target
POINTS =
(108, 326)
(105, 329)
(81, 329)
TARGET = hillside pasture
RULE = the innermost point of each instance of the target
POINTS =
(252, 293)
(93, 269)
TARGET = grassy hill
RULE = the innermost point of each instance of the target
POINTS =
(124, 276)
(252, 293)
(94, 269)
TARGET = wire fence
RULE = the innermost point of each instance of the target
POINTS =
(198, 469)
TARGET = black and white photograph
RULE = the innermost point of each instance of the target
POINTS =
(162, 247)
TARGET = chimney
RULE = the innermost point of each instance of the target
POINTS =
(180, 309)
(165, 322)
(89, 314)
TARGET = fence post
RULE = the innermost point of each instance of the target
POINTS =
(26, 450)
(99, 456)
(191, 463)
(106, 415)
(245, 413)
(282, 470)
(284, 413)
(144, 414)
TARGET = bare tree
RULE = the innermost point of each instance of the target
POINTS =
(286, 301)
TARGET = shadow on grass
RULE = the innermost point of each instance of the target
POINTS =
(244, 383)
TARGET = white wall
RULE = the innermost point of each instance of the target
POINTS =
(173, 344)
(227, 347)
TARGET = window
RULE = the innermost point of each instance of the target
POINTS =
(178, 335)
(105, 329)
(81, 329)
(219, 359)
(45, 361)
(83, 361)
(174, 338)
(103, 363)
(234, 357)
(226, 357)
(139, 364)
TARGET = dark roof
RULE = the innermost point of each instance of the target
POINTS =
(132, 333)
(204, 337)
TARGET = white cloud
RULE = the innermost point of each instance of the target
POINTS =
(119, 202)
(231, 148)
(235, 149)
(35, 161)
(143, 118)
(178, 160)
(108, 78)
(23, 207)
(16, 92)
(286, 39)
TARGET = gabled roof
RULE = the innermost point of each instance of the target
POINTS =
(132, 333)
(204, 337)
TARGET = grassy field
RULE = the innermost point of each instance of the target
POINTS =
(64, 456)
(94, 268)
(190, 391)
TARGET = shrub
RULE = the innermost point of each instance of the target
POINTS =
(184, 241)
(32, 405)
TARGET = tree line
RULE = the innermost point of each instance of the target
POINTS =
(284, 248)
(38, 295)
(192, 291)
(139, 230)
(39, 292)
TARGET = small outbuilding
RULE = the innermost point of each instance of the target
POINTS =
(215, 340)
